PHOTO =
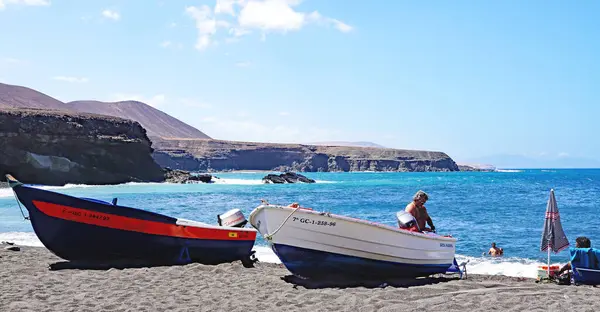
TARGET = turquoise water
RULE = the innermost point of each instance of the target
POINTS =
(475, 207)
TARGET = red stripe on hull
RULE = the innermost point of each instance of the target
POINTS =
(142, 226)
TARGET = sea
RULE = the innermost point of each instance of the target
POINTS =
(506, 207)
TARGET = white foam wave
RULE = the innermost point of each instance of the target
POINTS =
(515, 267)
(238, 181)
(21, 238)
(266, 254)
(7, 192)
(326, 182)
(508, 170)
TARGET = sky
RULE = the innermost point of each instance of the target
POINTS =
(474, 79)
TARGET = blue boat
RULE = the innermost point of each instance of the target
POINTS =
(90, 230)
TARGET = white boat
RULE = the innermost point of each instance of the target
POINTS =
(314, 244)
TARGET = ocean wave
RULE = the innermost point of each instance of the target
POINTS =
(515, 267)
(21, 238)
(508, 170)
(512, 266)
(237, 181)
(7, 192)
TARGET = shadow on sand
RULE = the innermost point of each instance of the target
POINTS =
(345, 283)
(82, 265)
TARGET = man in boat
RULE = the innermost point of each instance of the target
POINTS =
(418, 210)
(495, 251)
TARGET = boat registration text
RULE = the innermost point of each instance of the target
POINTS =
(311, 221)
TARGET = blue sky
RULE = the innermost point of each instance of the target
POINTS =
(470, 78)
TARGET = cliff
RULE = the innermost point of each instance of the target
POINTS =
(217, 155)
(55, 148)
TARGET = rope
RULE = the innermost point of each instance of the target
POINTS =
(270, 236)
(19, 203)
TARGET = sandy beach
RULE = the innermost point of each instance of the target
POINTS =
(28, 284)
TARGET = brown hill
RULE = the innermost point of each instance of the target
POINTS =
(153, 120)
(22, 97)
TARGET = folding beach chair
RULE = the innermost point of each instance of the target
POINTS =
(585, 265)
(455, 269)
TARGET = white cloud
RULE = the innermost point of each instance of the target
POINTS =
(206, 25)
(264, 16)
(113, 15)
(165, 44)
(154, 101)
(71, 79)
(284, 113)
(563, 154)
(4, 3)
(226, 7)
(173, 25)
(341, 26)
(271, 15)
(243, 64)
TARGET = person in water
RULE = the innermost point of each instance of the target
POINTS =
(580, 242)
(417, 209)
(495, 251)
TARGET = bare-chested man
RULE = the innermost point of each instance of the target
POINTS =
(418, 210)
(495, 251)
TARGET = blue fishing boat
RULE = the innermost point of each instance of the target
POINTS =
(90, 230)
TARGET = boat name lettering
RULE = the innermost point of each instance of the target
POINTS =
(311, 221)
(86, 214)
(446, 245)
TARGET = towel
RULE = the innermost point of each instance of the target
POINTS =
(587, 258)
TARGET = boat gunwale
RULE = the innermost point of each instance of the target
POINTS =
(143, 211)
(350, 219)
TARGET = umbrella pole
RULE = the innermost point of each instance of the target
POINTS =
(548, 261)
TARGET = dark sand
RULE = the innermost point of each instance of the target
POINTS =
(27, 284)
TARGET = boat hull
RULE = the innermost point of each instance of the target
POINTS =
(319, 245)
(316, 264)
(86, 230)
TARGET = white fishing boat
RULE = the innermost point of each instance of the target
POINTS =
(314, 244)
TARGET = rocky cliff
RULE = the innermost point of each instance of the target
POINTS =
(217, 155)
(55, 148)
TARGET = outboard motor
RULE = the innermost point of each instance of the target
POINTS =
(233, 218)
(406, 220)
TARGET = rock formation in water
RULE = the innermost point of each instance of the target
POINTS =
(55, 148)
(216, 155)
(287, 177)
(182, 176)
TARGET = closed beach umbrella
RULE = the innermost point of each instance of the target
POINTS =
(553, 236)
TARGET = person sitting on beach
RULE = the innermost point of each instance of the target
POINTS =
(418, 210)
(580, 242)
(495, 251)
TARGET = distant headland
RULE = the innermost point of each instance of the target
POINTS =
(47, 141)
